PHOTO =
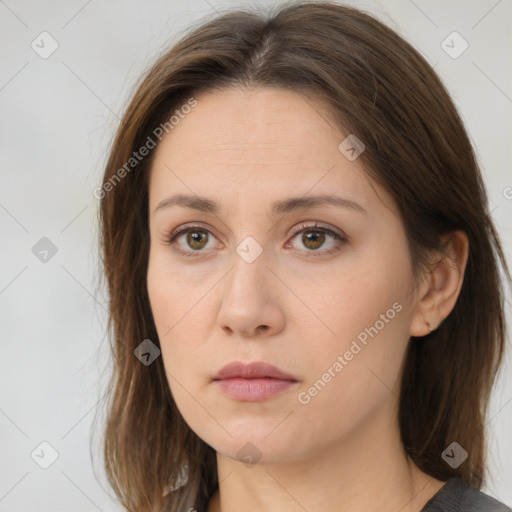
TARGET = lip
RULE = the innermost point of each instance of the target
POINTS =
(256, 370)
(253, 382)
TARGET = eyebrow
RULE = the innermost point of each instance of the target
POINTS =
(203, 204)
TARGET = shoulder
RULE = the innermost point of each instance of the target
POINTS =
(457, 495)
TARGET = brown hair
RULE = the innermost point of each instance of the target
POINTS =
(381, 89)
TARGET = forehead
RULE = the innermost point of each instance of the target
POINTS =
(266, 143)
(259, 112)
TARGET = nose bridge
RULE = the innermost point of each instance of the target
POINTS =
(248, 274)
(246, 301)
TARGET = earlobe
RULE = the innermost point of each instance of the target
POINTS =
(439, 291)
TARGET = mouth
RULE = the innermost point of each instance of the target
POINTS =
(253, 382)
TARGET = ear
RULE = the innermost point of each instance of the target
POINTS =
(440, 288)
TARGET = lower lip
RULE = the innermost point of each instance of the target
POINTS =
(253, 390)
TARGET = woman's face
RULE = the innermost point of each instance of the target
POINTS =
(330, 305)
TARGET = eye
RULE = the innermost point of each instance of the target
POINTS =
(314, 237)
(194, 237)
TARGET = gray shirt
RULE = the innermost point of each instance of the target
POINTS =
(457, 495)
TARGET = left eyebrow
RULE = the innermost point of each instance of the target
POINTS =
(206, 205)
(296, 203)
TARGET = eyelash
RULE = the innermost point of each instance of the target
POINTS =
(342, 240)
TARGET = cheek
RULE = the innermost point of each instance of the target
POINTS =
(180, 312)
(351, 378)
(356, 366)
(356, 297)
(175, 297)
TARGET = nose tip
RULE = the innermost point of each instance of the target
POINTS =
(248, 302)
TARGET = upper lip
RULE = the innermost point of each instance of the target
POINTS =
(252, 371)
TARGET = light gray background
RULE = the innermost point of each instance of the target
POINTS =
(58, 116)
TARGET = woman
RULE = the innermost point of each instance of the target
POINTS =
(297, 246)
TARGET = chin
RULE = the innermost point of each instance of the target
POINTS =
(254, 442)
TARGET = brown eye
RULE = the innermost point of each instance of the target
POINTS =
(190, 240)
(314, 237)
(196, 239)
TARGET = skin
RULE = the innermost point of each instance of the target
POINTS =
(247, 148)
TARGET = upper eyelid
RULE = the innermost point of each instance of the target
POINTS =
(316, 225)
(183, 228)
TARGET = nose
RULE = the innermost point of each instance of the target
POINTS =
(250, 299)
